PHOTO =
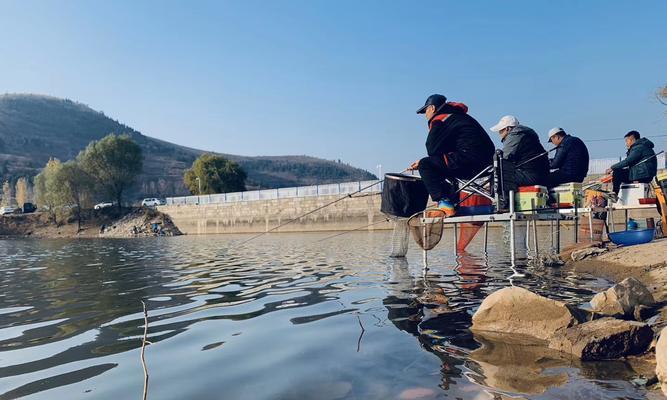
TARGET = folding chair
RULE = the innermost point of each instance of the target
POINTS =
(493, 182)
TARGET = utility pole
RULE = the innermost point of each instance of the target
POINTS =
(198, 191)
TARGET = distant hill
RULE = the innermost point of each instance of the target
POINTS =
(35, 127)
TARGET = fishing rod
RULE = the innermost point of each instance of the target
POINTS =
(537, 156)
(349, 195)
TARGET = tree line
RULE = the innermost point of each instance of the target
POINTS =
(107, 167)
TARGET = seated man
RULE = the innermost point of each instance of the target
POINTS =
(640, 164)
(522, 146)
(457, 147)
(570, 164)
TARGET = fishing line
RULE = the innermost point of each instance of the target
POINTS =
(353, 230)
(349, 195)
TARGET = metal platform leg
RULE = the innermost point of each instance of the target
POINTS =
(512, 249)
(456, 240)
(590, 224)
(486, 236)
(537, 247)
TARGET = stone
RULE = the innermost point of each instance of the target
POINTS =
(603, 339)
(582, 254)
(622, 298)
(661, 360)
(566, 253)
(514, 310)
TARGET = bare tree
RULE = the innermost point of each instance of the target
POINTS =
(21, 191)
(6, 194)
(661, 95)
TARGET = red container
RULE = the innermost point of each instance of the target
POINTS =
(533, 189)
(648, 200)
(473, 200)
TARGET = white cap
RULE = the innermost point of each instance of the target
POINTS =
(554, 131)
(507, 120)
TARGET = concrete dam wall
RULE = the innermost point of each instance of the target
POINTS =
(260, 216)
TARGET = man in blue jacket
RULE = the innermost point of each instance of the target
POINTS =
(570, 164)
(640, 164)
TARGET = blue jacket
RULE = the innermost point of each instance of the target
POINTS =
(571, 159)
(640, 150)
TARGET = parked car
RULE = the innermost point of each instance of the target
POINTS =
(29, 208)
(100, 206)
(8, 210)
(151, 202)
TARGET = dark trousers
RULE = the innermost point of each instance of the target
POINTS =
(556, 178)
(621, 176)
(437, 177)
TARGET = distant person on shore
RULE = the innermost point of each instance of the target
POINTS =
(457, 147)
(522, 147)
(570, 164)
(639, 166)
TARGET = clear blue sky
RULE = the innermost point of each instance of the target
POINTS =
(342, 79)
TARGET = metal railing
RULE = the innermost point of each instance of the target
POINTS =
(600, 165)
(282, 193)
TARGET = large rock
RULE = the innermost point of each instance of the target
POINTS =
(514, 310)
(661, 360)
(604, 339)
(622, 298)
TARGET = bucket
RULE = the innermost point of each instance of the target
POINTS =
(403, 195)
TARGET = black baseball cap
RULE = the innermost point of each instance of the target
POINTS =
(436, 100)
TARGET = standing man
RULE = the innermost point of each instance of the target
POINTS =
(640, 164)
(457, 147)
(570, 164)
(522, 146)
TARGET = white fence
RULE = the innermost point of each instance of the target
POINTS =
(600, 165)
(282, 193)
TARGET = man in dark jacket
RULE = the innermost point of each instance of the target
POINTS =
(522, 147)
(640, 164)
(570, 164)
(457, 147)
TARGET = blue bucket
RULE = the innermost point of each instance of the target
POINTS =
(630, 238)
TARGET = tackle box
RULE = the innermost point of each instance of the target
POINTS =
(630, 193)
(567, 194)
(529, 199)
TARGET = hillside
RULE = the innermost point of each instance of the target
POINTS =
(34, 128)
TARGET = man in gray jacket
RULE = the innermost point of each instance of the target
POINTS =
(522, 146)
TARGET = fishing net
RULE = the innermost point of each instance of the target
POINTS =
(427, 231)
(400, 238)
(467, 232)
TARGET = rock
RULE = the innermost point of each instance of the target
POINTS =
(622, 298)
(579, 255)
(642, 313)
(566, 253)
(514, 310)
(661, 360)
(550, 260)
(604, 339)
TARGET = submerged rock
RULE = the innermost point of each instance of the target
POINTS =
(603, 339)
(515, 310)
(622, 299)
(661, 360)
(582, 254)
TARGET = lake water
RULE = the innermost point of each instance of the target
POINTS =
(283, 317)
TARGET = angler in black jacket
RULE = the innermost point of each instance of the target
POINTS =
(457, 147)
(570, 164)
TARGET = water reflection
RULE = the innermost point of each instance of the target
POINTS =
(285, 317)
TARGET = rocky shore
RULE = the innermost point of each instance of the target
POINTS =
(127, 223)
(624, 322)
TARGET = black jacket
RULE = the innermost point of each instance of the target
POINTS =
(461, 140)
(519, 146)
(640, 150)
(571, 159)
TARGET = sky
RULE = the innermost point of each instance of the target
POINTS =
(343, 79)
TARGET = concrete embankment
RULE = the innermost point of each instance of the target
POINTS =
(260, 216)
(350, 213)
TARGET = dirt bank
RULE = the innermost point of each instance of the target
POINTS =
(647, 262)
(95, 224)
